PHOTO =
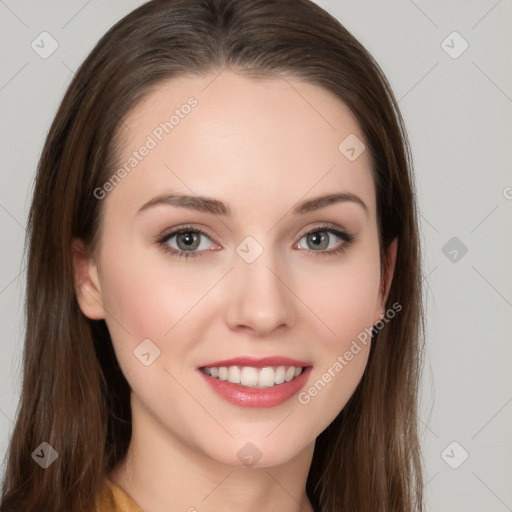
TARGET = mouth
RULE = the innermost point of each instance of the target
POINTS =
(253, 382)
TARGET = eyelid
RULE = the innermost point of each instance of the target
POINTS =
(324, 226)
(185, 227)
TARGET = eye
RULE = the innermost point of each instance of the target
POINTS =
(321, 238)
(187, 240)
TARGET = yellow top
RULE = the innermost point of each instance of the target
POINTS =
(122, 502)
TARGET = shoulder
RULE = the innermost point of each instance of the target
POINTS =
(113, 499)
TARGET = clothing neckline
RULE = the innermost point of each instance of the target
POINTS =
(123, 502)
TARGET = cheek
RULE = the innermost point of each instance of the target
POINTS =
(342, 354)
(344, 296)
(146, 294)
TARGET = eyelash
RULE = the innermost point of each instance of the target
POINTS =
(347, 241)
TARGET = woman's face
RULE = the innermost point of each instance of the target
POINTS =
(275, 278)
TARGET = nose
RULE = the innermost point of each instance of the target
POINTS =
(260, 300)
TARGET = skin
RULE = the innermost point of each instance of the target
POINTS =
(260, 146)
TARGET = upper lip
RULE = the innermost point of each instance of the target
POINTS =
(257, 362)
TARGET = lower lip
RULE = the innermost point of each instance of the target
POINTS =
(257, 397)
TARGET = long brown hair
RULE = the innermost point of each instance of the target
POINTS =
(74, 394)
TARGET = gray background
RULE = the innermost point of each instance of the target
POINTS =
(458, 111)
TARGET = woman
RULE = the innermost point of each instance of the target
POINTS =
(223, 292)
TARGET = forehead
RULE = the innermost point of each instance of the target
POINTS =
(273, 140)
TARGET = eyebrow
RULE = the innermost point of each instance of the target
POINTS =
(216, 207)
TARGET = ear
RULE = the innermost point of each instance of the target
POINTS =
(87, 285)
(386, 279)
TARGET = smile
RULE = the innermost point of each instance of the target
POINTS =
(249, 376)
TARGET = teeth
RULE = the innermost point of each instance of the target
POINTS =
(254, 377)
(266, 377)
(234, 374)
(249, 376)
(280, 374)
(290, 374)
